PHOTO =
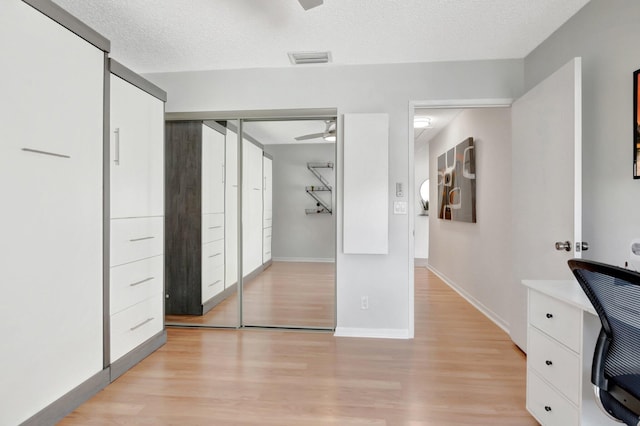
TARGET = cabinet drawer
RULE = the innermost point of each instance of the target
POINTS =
(212, 227)
(555, 363)
(212, 282)
(555, 318)
(134, 282)
(213, 254)
(135, 325)
(547, 405)
(136, 238)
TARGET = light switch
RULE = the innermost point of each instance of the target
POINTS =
(399, 191)
(399, 207)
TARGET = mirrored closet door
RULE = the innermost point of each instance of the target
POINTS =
(289, 224)
(202, 229)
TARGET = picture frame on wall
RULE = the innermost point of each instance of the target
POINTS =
(636, 125)
(457, 183)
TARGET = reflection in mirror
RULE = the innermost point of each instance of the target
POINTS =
(288, 223)
(202, 224)
(424, 197)
(636, 126)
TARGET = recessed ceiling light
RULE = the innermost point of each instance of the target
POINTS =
(420, 122)
(300, 58)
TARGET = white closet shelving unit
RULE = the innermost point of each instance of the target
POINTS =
(137, 211)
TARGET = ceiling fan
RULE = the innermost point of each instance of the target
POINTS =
(309, 4)
(328, 135)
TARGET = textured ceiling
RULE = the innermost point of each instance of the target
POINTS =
(179, 35)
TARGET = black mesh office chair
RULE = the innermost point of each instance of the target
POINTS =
(615, 295)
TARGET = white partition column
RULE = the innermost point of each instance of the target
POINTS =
(366, 184)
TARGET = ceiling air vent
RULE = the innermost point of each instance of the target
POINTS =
(299, 58)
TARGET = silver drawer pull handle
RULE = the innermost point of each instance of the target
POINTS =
(549, 316)
(140, 282)
(212, 284)
(148, 320)
(141, 239)
(215, 227)
(268, 252)
(257, 189)
(214, 255)
(116, 159)
(53, 154)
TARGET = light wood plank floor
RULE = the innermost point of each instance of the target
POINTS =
(298, 294)
(459, 370)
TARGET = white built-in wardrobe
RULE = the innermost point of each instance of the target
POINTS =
(58, 320)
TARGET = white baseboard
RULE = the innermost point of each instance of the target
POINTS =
(303, 259)
(421, 262)
(376, 333)
(475, 302)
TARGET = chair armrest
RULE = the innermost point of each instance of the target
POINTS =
(597, 368)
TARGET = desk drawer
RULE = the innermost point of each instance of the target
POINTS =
(136, 238)
(555, 318)
(547, 405)
(212, 227)
(555, 363)
(134, 282)
(135, 325)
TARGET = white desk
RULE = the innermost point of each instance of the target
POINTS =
(561, 336)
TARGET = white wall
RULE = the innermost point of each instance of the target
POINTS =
(421, 223)
(354, 89)
(296, 235)
(475, 257)
(605, 33)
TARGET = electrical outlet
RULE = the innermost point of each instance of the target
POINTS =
(364, 302)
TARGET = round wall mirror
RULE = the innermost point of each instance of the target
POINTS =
(424, 195)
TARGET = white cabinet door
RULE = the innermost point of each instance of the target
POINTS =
(137, 151)
(547, 190)
(231, 209)
(51, 264)
(213, 147)
(251, 207)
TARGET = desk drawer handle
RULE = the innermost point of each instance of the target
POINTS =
(548, 362)
(214, 255)
(549, 316)
(140, 282)
(547, 408)
(212, 284)
(148, 320)
(141, 239)
(215, 227)
(53, 154)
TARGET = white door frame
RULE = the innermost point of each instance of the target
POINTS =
(435, 104)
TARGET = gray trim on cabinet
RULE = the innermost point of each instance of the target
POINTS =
(212, 124)
(246, 136)
(141, 83)
(70, 22)
(266, 154)
(59, 408)
(122, 365)
(220, 297)
(106, 217)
